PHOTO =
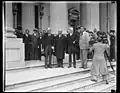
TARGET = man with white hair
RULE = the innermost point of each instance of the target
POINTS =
(84, 46)
(48, 47)
(60, 48)
(71, 40)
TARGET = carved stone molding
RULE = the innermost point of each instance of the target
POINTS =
(9, 32)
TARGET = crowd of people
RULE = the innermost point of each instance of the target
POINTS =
(78, 43)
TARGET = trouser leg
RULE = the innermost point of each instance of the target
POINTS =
(74, 61)
(70, 60)
(46, 56)
(81, 56)
(58, 62)
(39, 54)
(50, 55)
(85, 52)
(62, 62)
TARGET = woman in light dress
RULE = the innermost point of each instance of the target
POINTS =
(99, 65)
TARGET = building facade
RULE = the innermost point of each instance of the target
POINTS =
(37, 14)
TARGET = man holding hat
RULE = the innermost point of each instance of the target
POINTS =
(48, 47)
(71, 39)
(60, 48)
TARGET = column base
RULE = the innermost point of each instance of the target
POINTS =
(14, 53)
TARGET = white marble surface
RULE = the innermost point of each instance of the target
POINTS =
(33, 74)
(14, 53)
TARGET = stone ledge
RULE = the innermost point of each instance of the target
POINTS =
(9, 32)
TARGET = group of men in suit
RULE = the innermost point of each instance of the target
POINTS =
(75, 43)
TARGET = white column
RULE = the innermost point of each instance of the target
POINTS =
(58, 17)
(14, 47)
(89, 15)
(9, 15)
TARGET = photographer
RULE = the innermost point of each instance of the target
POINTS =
(99, 65)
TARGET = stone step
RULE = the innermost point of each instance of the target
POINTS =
(35, 65)
(113, 87)
(70, 87)
(94, 87)
(12, 78)
(58, 81)
(67, 87)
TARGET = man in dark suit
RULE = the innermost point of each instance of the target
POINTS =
(26, 41)
(77, 42)
(112, 45)
(35, 44)
(60, 48)
(40, 41)
(48, 46)
(71, 39)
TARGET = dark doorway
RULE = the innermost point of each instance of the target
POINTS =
(19, 16)
(36, 17)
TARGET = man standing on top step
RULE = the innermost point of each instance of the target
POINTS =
(48, 46)
(60, 48)
(84, 46)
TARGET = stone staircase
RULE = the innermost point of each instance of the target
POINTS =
(57, 80)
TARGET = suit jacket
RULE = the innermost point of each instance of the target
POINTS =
(26, 38)
(60, 46)
(48, 40)
(71, 45)
(40, 41)
(34, 40)
(84, 41)
(112, 40)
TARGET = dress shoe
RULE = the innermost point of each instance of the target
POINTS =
(81, 67)
(85, 67)
(74, 66)
(62, 66)
(94, 80)
(69, 66)
(46, 67)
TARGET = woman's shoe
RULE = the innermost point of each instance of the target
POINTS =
(106, 81)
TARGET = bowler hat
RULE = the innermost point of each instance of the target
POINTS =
(35, 29)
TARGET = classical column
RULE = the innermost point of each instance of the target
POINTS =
(9, 20)
(14, 48)
(9, 15)
(58, 17)
(89, 15)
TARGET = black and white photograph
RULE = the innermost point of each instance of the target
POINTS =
(59, 46)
